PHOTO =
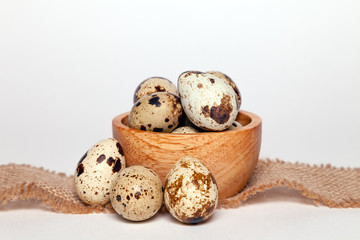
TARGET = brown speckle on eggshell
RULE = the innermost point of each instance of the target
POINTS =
(137, 193)
(191, 194)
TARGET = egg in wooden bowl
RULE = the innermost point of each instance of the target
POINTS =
(230, 155)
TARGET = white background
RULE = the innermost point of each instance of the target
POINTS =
(68, 67)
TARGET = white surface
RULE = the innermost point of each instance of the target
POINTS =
(68, 67)
(278, 214)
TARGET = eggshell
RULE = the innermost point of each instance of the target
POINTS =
(137, 194)
(231, 83)
(157, 112)
(185, 129)
(191, 194)
(95, 171)
(235, 125)
(209, 102)
(153, 85)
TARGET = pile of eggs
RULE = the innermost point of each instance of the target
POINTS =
(202, 102)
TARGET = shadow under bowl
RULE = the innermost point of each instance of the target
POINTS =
(230, 155)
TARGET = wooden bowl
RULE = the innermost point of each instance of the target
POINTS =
(230, 155)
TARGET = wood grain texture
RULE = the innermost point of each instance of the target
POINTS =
(230, 155)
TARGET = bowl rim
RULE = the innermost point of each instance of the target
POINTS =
(255, 121)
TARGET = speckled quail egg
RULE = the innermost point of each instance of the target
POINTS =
(157, 112)
(235, 125)
(191, 194)
(209, 102)
(137, 194)
(153, 85)
(231, 83)
(185, 129)
(95, 171)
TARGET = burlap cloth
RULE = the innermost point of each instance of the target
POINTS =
(327, 185)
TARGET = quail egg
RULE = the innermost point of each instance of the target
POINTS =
(137, 194)
(96, 170)
(153, 85)
(209, 102)
(191, 194)
(157, 112)
(185, 129)
(235, 125)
